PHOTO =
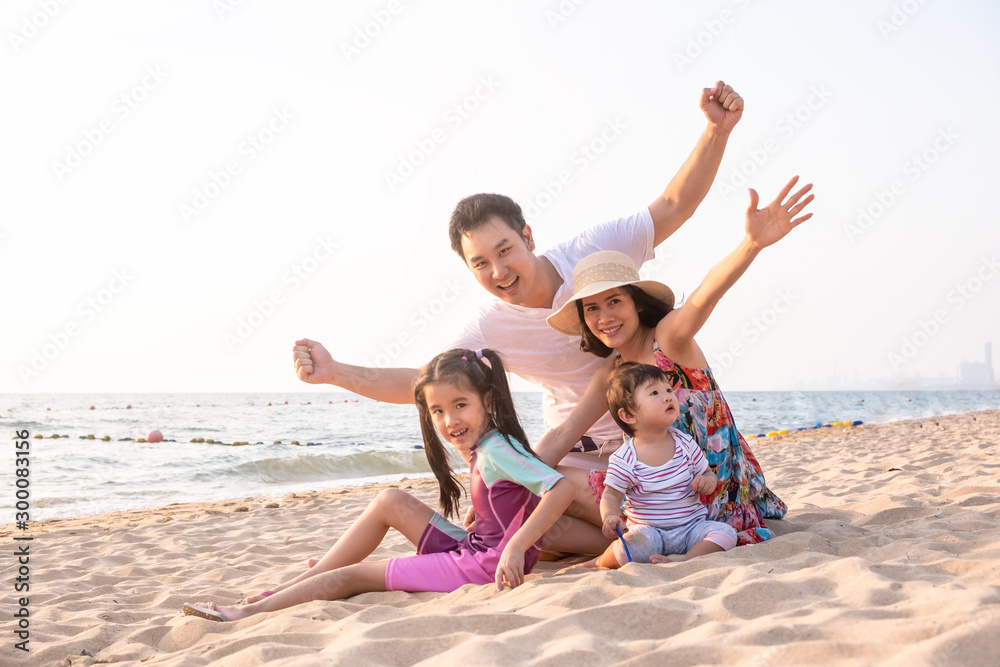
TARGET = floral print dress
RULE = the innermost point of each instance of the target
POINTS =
(741, 498)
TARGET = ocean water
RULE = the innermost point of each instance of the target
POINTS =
(343, 440)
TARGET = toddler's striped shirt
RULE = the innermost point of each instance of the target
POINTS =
(659, 495)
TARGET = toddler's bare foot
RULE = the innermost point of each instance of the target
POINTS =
(666, 559)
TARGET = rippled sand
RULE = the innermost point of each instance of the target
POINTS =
(890, 554)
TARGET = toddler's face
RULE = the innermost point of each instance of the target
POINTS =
(655, 405)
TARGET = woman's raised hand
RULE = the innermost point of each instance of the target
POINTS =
(768, 225)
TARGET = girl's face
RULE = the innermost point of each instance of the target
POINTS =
(458, 413)
(611, 316)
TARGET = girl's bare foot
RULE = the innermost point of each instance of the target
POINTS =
(233, 613)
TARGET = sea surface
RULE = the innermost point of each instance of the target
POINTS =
(343, 440)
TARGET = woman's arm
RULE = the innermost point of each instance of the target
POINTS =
(764, 227)
(558, 442)
(554, 502)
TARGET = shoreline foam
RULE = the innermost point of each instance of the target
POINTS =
(358, 443)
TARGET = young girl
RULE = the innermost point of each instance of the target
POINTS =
(463, 397)
(613, 308)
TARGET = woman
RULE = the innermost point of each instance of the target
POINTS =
(613, 309)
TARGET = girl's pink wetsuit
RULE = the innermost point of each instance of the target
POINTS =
(506, 485)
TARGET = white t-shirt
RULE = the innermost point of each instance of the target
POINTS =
(538, 353)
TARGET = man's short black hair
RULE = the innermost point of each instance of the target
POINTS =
(474, 211)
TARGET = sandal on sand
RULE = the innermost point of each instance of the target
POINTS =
(201, 612)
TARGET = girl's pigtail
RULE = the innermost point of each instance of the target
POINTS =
(437, 457)
(503, 413)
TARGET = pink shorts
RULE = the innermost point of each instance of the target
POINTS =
(440, 572)
(445, 561)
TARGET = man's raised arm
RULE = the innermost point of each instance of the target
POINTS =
(315, 365)
(723, 108)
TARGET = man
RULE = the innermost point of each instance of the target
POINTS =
(490, 235)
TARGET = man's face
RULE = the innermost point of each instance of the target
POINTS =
(501, 260)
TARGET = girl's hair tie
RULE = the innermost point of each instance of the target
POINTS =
(479, 355)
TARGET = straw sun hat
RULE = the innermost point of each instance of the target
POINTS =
(598, 272)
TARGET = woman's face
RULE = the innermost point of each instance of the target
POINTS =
(611, 316)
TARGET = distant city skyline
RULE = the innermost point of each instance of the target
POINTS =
(978, 373)
(968, 375)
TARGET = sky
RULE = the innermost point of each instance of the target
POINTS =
(192, 186)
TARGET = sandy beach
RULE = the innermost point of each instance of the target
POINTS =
(889, 554)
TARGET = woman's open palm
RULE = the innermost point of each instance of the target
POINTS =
(768, 225)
